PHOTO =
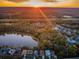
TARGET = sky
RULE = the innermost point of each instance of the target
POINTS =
(39, 3)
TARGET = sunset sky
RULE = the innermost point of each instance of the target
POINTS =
(39, 3)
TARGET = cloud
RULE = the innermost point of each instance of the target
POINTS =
(69, 3)
(7, 3)
(58, 3)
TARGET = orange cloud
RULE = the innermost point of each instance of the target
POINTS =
(7, 3)
(58, 3)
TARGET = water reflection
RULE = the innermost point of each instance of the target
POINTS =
(16, 40)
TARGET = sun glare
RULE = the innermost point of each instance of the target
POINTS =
(35, 3)
(36, 0)
(36, 6)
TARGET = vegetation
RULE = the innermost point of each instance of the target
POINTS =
(43, 34)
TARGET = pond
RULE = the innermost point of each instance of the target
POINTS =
(17, 40)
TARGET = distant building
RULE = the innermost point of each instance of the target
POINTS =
(67, 17)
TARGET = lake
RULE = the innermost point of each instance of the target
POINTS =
(17, 40)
